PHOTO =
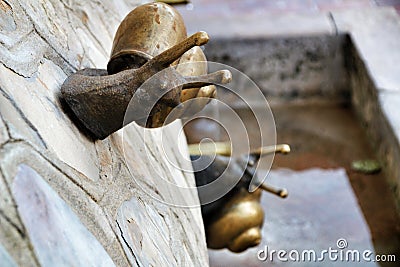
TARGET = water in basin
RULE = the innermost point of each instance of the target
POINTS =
(327, 200)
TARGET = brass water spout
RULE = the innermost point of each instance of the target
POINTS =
(150, 40)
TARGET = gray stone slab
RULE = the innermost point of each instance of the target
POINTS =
(70, 186)
(36, 100)
(285, 69)
(16, 243)
(17, 124)
(379, 112)
(154, 190)
(390, 104)
(3, 132)
(376, 34)
(141, 243)
(7, 204)
(268, 24)
(5, 259)
(58, 236)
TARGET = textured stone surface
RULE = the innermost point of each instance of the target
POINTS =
(57, 235)
(37, 101)
(263, 24)
(5, 258)
(87, 181)
(378, 111)
(3, 132)
(150, 177)
(376, 34)
(13, 239)
(285, 69)
(7, 201)
(390, 103)
(274, 17)
(71, 187)
(141, 239)
(16, 125)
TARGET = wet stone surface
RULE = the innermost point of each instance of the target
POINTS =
(327, 199)
(315, 217)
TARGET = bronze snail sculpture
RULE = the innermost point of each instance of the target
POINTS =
(149, 40)
(235, 220)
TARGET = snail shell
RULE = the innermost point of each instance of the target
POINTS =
(237, 226)
(145, 32)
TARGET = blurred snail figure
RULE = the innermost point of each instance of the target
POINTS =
(238, 225)
(234, 221)
(150, 39)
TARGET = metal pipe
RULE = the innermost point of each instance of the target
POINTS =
(266, 150)
(280, 192)
(210, 148)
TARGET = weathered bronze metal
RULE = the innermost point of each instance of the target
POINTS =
(234, 221)
(144, 33)
(225, 149)
(237, 225)
(149, 40)
(192, 64)
(220, 148)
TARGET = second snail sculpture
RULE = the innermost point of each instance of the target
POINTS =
(150, 39)
(234, 221)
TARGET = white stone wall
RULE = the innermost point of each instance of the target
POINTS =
(68, 199)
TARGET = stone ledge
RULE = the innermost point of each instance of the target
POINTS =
(265, 25)
(389, 103)
(376, 108)
(376, 35)
(286, 69)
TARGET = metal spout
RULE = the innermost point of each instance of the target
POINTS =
(280, 192)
